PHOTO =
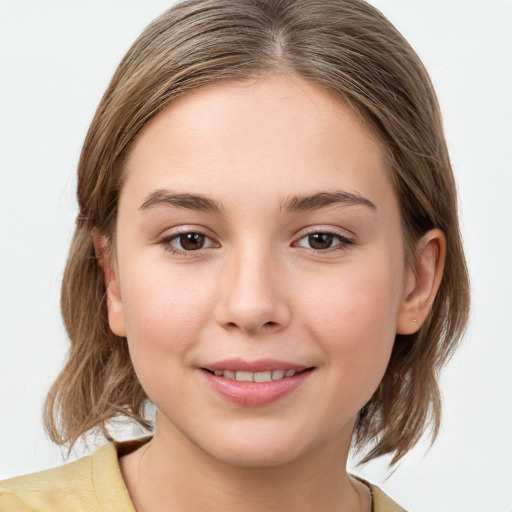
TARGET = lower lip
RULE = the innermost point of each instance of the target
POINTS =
(256, 394)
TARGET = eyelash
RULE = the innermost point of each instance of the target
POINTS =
(168, 240)
(343, 242)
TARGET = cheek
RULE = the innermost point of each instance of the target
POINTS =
(354, 322)
(164, 310)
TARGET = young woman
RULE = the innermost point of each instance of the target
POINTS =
(267, 249)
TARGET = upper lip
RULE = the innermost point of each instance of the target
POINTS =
(261, 365)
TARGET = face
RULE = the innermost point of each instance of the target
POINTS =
(259, 274)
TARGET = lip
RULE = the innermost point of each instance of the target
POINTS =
(261, 365)
(254, 394)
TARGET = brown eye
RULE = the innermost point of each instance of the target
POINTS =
(324, 241)
(320, 241)
(192, 241)
(187, 242)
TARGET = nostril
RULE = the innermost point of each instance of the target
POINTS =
(252, 327)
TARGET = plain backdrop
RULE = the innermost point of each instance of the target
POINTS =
(57, 57)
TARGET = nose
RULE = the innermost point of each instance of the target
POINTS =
(252, 297)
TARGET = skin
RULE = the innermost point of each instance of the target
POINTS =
(258, 289)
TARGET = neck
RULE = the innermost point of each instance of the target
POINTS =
(172, 474)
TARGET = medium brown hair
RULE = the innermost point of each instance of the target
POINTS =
(344, 45)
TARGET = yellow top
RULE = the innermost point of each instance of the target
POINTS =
(95, 484)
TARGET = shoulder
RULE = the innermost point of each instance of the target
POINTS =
(59, 487)
(85, 485)
(382, 502)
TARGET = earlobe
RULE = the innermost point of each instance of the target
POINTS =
(113, 291)
(422, 282)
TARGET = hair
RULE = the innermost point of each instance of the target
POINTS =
(346, 46)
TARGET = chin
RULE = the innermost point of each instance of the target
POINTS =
(255, 456)
(260, 447)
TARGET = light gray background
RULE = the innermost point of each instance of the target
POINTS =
(56, 58)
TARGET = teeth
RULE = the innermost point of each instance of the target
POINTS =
(277, 374)
(266, 376)
(262, 376)
(245, 376)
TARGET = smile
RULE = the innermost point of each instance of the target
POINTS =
(255, 384)
(264, 376)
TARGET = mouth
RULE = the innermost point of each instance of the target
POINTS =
(258, 383)
(261, 376)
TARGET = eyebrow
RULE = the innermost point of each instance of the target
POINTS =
(162, 197)
(197, 202)
(323, 199)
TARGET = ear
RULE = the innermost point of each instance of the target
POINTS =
(422, 282)
(114, 302)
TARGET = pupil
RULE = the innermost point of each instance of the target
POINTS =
(320, 240)
(192, 241)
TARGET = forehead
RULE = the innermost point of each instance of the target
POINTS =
(278, 134)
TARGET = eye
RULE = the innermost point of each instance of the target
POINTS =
(323, 241)
(191, 241)
(188, 241)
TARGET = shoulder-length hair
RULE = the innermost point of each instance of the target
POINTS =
(344, 45)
